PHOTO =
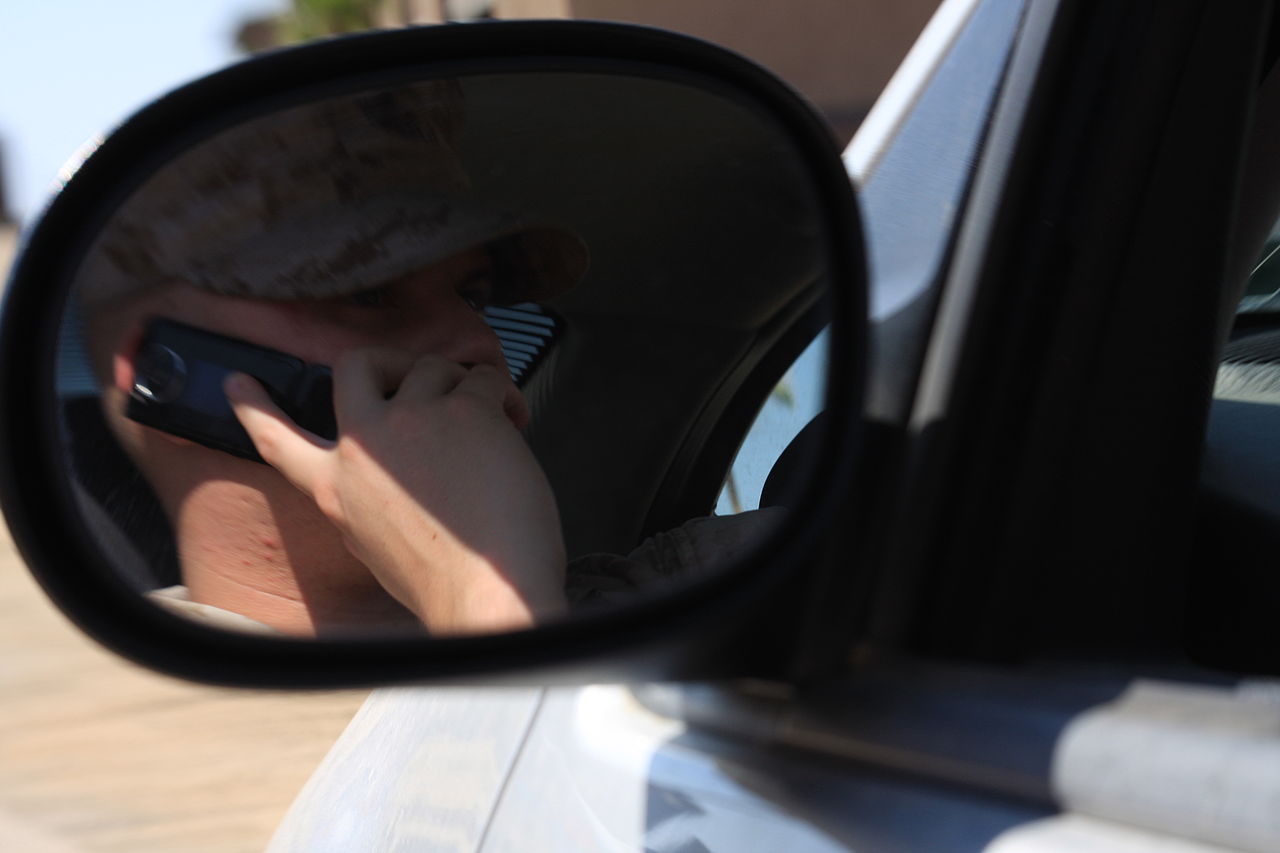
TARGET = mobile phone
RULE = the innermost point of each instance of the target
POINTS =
(177, 386)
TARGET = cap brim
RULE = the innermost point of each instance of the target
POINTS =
(339, 252)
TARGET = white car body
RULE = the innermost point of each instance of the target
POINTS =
(674, 769)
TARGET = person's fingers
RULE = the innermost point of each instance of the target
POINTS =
(364, 378)
(431, 377)
(294, 452)
(492, 384)
(517, 407)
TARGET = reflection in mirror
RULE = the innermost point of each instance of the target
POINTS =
(436, 357)
(792, 405)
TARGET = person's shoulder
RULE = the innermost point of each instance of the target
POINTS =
(714, 540)
(695, 546)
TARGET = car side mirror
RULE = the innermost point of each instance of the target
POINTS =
(343, 365)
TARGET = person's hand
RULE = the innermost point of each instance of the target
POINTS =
(431, 485)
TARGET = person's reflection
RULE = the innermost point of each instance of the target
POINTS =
(342, 233)
(338, 233)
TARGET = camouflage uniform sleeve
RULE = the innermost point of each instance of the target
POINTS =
(693, 547)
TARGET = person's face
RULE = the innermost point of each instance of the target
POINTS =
(435, 311)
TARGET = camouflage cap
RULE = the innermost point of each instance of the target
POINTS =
(320, 201)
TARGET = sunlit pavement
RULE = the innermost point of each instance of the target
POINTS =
(97, 754)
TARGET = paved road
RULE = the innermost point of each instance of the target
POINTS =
(97, 754)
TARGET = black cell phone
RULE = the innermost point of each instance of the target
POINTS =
(177, 386)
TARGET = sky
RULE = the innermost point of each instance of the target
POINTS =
(73, 69)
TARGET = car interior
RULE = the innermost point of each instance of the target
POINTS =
(1232, 620)
(645, 377)
(1233, 595)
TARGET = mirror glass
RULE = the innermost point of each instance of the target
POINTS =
(445, 356)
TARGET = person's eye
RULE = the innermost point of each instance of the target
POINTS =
(476, 301)
(477, 293)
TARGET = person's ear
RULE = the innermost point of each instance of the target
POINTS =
(123, 357)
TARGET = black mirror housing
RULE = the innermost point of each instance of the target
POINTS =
(721, 625)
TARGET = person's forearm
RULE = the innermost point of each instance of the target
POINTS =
(488, 603)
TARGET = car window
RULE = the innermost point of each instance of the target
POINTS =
(791, 404)
(1263, 292)
(911, 189)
